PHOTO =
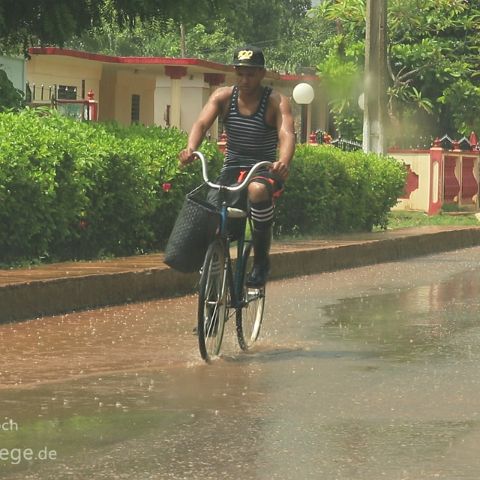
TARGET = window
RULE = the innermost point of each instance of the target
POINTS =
(66, 92)
(135, 112)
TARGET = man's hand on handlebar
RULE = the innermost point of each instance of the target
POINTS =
(281, 170)
(186, 156)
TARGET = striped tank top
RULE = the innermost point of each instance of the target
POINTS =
(249, 139)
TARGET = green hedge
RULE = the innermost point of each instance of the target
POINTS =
(72, 190)
(84, 190)
(331, 191)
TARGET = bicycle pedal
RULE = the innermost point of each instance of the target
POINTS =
(254, 293)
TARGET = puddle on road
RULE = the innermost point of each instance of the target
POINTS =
(433, 319)
(137, 336)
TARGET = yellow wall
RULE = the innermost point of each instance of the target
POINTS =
(419, 164)
(108, 85)
(51, 70)
(129, 83)
(193, 99)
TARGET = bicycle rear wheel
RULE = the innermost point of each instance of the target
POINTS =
(212, 301)
(250, 316)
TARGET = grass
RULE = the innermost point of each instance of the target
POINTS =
(404, 219)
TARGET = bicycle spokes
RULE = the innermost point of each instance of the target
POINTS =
(250, 316)
(213, 298)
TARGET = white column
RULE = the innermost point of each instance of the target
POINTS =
(175, 73)
(176, 94)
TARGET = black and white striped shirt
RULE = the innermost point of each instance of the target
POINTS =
(249, 139)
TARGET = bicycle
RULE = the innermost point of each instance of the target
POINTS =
(222, 289)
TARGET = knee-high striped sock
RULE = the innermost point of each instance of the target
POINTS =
(262, 214)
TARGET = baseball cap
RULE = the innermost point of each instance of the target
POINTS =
(248, 56)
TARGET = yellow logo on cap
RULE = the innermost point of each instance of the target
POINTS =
(245, 54)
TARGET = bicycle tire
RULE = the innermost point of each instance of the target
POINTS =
(212, 301)
(249, 317)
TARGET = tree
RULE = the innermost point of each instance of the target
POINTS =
(264, 23)
(275, 25)
(303, 45)
(30, 22)
(432, 59)
(10, 97)
(158, 38)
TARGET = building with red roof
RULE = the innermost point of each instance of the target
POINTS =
(149, 90)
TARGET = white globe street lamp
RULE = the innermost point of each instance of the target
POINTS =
(303, 94)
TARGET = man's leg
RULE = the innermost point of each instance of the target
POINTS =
(261, 211)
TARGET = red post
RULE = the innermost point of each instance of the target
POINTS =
(214, 79)
(435, 194)
(92, 106)
(327, 138)
(473, 140)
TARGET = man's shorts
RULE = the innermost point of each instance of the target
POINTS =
(234, 176)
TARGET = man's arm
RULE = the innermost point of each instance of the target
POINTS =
(212, 109)
(286, 137)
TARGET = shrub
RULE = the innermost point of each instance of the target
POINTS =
(83, 190)
(331, 191)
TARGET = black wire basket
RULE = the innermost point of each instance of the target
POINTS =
(194, 229)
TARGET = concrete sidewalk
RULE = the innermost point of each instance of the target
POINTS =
(58, 288)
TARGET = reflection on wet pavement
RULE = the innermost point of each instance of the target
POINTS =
(426, 319)
(136, 336)
(361, 374)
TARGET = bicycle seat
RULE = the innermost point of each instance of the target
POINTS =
(236, 212)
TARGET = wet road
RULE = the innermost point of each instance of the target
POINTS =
(369, 373)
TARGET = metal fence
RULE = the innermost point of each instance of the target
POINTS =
(346, 145)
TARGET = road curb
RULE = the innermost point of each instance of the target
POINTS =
(337, 257)
(21, 301)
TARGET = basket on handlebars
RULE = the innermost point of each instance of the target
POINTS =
(192, 232)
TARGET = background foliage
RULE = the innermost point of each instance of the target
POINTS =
(433, 48)
(25, 22)
(10, 97)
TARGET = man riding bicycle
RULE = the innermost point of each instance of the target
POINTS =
(257, 120)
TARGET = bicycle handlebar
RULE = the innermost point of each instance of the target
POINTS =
(235, 188)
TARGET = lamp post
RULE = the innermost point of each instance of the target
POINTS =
(374, 102)
(303, 94)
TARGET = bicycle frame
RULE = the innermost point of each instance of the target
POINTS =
(233, 275)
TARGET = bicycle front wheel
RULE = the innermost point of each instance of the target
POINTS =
(212, 301)
(250, 316)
